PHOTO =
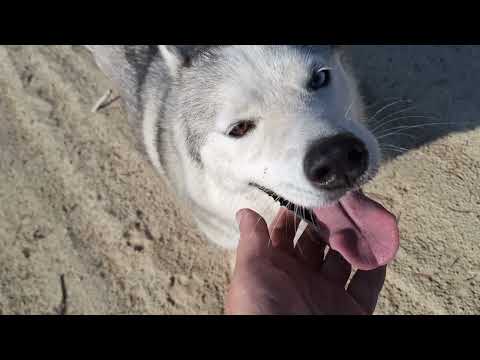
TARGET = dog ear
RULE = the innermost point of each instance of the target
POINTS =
(178, 56)
(126, 66)
(339, 48)
(174, 57)
(344, 54)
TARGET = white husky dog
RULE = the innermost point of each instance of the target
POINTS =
(257, 127)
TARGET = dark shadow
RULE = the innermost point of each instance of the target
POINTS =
(441, 81)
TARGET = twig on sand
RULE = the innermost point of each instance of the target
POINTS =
(472, 278)
(63, 305)
(425, 275)
(455, 261)
(461, 211)
(99, 104)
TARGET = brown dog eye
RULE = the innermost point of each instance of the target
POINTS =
(241, 129)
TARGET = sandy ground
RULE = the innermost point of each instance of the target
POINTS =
(87, 227)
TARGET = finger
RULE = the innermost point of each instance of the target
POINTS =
(254, 236)
(365, 287)
(310, 248)
(283, 230)
(336, 269)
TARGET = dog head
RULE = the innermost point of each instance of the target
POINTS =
(286, 120)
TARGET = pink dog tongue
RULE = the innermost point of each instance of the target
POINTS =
(363, 231)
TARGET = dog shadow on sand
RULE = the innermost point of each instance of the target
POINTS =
(416, 94)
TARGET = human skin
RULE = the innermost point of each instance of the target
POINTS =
(272, 277)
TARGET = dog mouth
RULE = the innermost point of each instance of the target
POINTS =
(362, 230)
(303, 212)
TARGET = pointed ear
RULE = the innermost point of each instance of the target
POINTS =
(339, 48)
(173, 57)
(343, 53)
(178, 56)
(126, 66)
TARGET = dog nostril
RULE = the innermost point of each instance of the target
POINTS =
(322, 173)
(356, 156)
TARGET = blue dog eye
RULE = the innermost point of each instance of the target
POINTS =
(320, 78)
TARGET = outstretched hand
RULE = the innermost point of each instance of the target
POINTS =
(273, 277)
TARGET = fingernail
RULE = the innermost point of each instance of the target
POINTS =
(279, 221)
(238, 216)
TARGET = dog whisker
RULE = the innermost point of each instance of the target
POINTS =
(406, 127)
(375, 130)
(399, 133)
(393, 147)
(348, 110)
(388, 106)
(386, 119)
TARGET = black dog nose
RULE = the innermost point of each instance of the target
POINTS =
(336, 162)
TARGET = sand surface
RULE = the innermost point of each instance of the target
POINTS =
(87, 227)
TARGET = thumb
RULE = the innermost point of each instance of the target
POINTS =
(254, 235)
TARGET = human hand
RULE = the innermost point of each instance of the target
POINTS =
(272, 277)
